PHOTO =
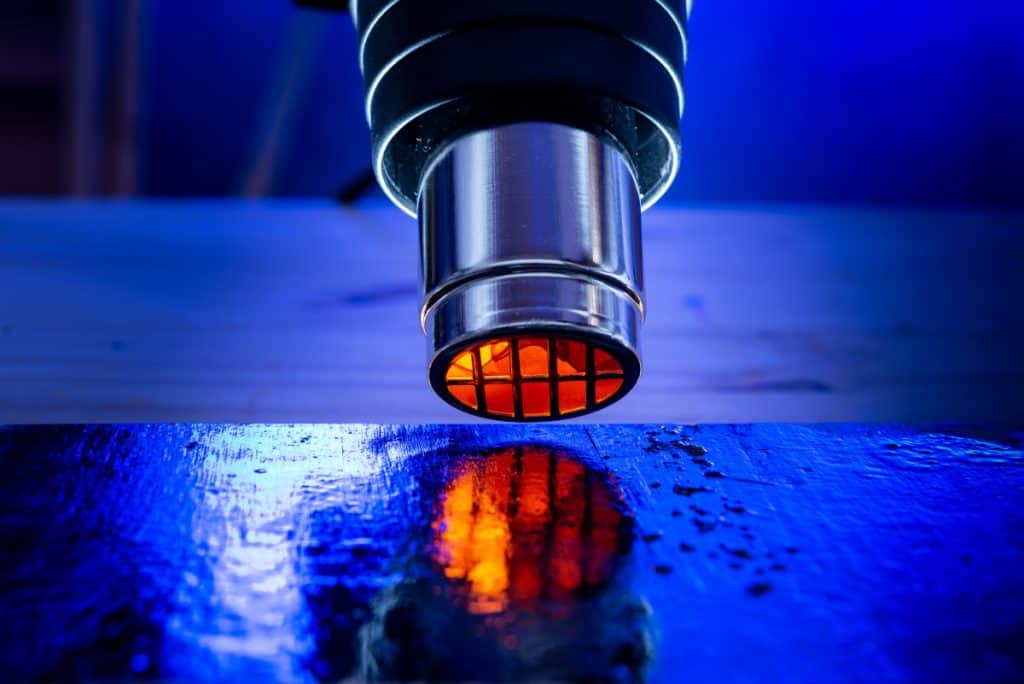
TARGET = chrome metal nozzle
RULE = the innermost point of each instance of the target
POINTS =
(531, 263)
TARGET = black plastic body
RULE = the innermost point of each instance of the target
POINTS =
(435, 70)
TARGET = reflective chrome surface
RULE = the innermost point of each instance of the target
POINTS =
(522, 302)
(527, 227)
(532, 196)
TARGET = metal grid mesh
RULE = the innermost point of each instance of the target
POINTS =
(533, 377)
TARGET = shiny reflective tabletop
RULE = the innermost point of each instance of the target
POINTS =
(479, 553)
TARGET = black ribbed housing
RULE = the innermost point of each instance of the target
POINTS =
(435, 70)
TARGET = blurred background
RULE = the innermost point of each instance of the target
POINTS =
(916, 103)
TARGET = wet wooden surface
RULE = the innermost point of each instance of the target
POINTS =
(648, 552)
(302, 311)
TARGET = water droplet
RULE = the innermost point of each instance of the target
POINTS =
(935, 450)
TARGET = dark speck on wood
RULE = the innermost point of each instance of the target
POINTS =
(736, 553)
(260, 470)
(703, 527)
(663, 569)
(713, 474)
(735, 509)
(694, 449)
(686, 548)
(676, 513)
(651, 537)
(795, 385)
(688, 491)
(382, 293)
(655, 485)
(759, 588)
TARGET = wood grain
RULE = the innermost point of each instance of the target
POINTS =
(302, 311)
(316, 552)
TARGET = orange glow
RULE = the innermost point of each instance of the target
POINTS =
(465, 394)
(605, 362)
(603, 389)
(533, 357)
(530, 377)
(461, 367)
(496, 359)
(496, 515)
(500, 398)
(572, 396)
(536, 399)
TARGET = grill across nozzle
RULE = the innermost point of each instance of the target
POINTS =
(530, 242)
(534, 378)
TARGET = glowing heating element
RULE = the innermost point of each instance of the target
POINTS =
(534, 378)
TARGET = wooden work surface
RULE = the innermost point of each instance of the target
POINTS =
(303, 311)
(728, 553)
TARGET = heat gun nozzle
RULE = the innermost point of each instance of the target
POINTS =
(530, 240)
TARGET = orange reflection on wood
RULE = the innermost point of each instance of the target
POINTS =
(526, 524)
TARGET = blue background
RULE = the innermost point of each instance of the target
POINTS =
(907, 103)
